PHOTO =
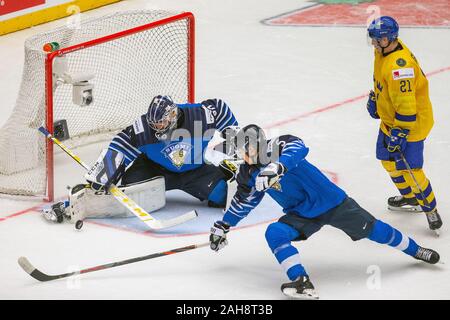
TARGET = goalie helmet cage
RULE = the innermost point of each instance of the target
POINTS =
(128, 57)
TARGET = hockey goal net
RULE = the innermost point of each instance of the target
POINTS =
(123, 59)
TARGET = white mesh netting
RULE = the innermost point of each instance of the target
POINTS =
(128, 71)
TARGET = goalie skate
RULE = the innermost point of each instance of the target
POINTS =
(56, 212)
(302, 288)
(400, 203)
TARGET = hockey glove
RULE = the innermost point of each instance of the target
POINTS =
(107, 170)
(98, 188)
(218, 236)
(397, 141)
(229, 169)
(372, 105)
(269, 176)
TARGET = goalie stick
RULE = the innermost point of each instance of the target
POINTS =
(132, 206)
(40, 276)
(425, 201)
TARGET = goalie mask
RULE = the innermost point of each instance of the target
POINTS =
(162, 116)
(251, 145)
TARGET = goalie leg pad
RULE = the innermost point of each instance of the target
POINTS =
(86, 203)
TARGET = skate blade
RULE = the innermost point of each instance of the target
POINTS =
(437, 232)
(414, 209)
(308, 295)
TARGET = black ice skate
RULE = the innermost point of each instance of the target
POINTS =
(434, 220)
(212, 204)
(302, 288)
(428, 255)
(400, 203)
(56, 212)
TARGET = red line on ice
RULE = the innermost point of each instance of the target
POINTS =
(336, 105)
(319, 110)
(152, 234)
(13, 215)
(333, 176)
(269, 126)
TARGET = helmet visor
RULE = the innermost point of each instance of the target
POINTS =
(167, 121)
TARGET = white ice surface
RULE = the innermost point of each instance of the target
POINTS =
(266, 74)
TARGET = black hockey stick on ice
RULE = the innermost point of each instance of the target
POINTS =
(40, 276)
(132, 206)
(425, 201)
(408, 167)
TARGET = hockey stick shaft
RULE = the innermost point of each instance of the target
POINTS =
(40, 276)
(48, 135)
(132, 206)
(425, 201)
(408, 167)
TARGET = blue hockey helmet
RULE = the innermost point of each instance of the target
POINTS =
(384, 26)
(162, 115)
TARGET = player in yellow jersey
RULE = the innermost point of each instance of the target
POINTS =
(401, 101)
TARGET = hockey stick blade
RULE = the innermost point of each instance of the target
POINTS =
(32, 271)
(412, 209)
(162, 224)
(40, 276)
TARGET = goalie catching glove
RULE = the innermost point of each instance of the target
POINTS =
(269, 176)
(218, 236)
(107, 170)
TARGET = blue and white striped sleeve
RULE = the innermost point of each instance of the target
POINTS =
(225, 116)
(122, 143)
(293, 151)
(241, 205)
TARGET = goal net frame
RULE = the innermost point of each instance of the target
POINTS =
(50, 80)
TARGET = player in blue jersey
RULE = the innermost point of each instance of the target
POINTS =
(170, 140)
(309, 200)
(162, 150)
